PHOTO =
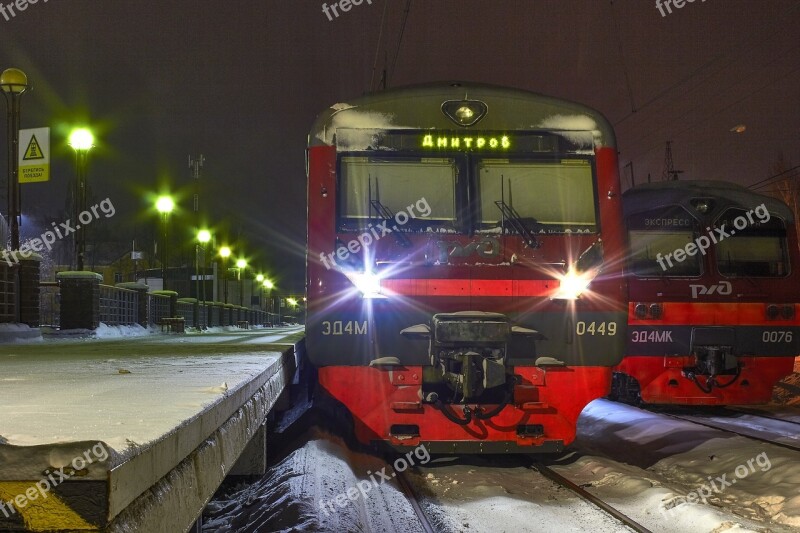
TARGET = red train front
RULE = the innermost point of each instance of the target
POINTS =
(459, 239)
(714, 285)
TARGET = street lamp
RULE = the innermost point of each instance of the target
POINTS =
(203, 238)
(241, 264)
(81, 140)
(267, 284)
(13, 82)
(165, 205)
(225, 253)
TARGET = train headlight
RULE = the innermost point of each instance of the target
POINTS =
(367, 283)
(573, 284)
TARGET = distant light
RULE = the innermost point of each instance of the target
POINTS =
(739, 128)
(268, 284)
(203, 236)
(241, 263)
(260, 278)
(165, 204)
(81, 139)
(225, 252)
(291, 301)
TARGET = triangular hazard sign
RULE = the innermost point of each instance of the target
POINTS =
(33, 151)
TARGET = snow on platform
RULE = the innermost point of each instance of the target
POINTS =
(140, 429)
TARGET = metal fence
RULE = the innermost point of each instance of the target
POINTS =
(118, 307)
(157, 307)
(186, 310)
(8, 294)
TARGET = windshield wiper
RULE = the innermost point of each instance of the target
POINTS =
(387, 215)
(517, 223)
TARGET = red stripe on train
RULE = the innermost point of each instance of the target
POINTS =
(470, 287)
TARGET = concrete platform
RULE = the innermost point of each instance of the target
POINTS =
(131, 434)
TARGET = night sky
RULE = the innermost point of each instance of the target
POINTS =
(242, 81)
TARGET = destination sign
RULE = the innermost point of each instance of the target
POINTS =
(466, 142)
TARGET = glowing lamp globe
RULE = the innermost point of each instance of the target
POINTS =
(81, 139)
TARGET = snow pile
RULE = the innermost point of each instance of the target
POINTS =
(698, 472)
(300, 492)
(104, 331)
(218, 329)
(13, 333)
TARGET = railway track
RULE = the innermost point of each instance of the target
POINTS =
(764, 414)
(789, 439)
(560, 480)
(413, 499)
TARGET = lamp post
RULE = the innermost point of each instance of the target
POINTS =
(267, 284)
(225, 253)
(13, 82)
(241, 264)
(81, 140)
(260, 280)
(165, 206)
(203, 238)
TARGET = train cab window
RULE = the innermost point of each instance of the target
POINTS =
(757, 249)
(547, 196)
(658, 242)
(373, 189)
(652, 253)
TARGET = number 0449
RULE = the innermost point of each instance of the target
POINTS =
(596, 328)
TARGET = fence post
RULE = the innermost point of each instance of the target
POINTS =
(80, 299)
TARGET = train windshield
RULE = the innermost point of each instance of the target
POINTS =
(757, 249)
(658, 243)
(545, 196)
(377, 189)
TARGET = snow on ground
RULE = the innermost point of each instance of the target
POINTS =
(308, 491)
(675, 476)
(12, 333)
(499, 494)
(104, 331)
(669, 475)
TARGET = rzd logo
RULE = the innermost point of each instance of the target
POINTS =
(486, 247)
(723, 288)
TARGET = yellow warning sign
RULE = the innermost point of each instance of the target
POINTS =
(34, 161)
(33, 151)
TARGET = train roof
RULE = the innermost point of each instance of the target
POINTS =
(508, 110)
(651, 196)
